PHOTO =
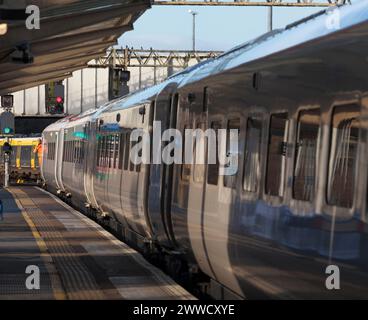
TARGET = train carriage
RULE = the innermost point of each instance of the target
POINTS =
(295, 201)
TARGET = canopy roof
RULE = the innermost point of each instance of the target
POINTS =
(71, 34)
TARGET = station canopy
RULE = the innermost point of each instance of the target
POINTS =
(71, 34)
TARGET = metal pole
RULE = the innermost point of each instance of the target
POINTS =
(154, 72)
(193, 13)
(96, 87)
(24, 102)
(81, 97)
(67, 97)
(194, 25)
(6, 160)
(140, 77)
(38, 100)
(270, 18)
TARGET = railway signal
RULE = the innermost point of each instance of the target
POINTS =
(7, 123)
(7, 150)
(55, 98)
(7, 101)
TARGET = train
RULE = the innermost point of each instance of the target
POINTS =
(24, 162)
(291, 221)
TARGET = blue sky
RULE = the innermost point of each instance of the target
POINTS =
(218, 28)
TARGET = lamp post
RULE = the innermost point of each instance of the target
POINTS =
(194, 14)
(270, 18)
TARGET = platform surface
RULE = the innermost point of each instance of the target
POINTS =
(76, 258)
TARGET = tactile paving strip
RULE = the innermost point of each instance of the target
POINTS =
(13, 287)
(90, 262)
(78, 282)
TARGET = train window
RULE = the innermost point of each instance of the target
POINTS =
(101, 151)
(65, 151)
(121, 150)
(185, 167)
(53, 152)
(127, 151)
(205, 99)
(79, 144)
(82, 151)
(116, 150)
(200, 153)
(50, 151)
(68, 151)
(110, 152)
(13, 156)
(34, 159)
(343, 155)
(252, 155)
(132, 144)
(230, 179)
(305, 167)
(71, 151)
(102, 154)
(106, 152)
(25, 156)
(138, 166)
(213, 168)
(275, 171)
(75, 151)
(98, 151)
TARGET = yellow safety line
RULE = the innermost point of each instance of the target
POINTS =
(58, 294)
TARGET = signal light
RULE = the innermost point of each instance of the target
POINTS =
(7, 123)
(55, 98)
(7, 130)
(7, 148)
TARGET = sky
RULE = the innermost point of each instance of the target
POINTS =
(218, 28)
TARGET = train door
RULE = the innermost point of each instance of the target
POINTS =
(91, 163)
(168, 171)
(197, 195)
(59, 159)
(161, 174)
(220, 200)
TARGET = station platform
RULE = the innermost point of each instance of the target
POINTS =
(77, 259)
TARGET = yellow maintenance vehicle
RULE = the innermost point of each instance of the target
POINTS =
(24, 160)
